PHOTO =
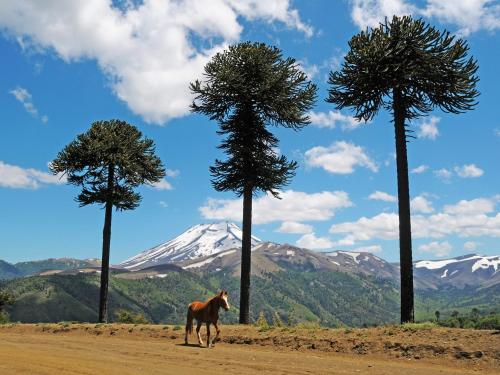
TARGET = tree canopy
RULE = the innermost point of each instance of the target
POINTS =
(246, 88)
(430, 67)
(86, 161)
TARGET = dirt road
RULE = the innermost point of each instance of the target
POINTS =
(127, 349)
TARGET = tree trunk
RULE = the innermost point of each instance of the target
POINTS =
(246, 253)
(405, 252)
(106, 241)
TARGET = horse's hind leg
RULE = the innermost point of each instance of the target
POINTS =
(208, 335)
(189, 327)
(198, 327)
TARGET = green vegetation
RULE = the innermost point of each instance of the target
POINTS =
(246, 89)
(108, 162)
(124, 316)
(6, 298)
(409, 68)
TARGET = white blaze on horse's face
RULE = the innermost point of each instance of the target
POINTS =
(226, 304)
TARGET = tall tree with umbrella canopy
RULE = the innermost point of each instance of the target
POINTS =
(245, 89)
(108, 162)
(409, 68)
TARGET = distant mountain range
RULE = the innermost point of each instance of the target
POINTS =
(339, 287)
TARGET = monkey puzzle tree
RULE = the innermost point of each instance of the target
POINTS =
(108, 162)
(246, 88)
(409, 68)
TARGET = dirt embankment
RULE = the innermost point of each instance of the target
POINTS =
(147, 349)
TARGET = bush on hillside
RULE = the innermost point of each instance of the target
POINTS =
(127, 317)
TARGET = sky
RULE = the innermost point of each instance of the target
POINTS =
(66, 64)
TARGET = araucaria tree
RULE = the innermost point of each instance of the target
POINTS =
(245, 89)
(108, 162)
(409, 68)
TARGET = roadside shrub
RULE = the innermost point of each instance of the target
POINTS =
(4, 318)
(261, 322)
(127, 317)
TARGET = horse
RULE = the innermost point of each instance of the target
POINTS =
(206, 312)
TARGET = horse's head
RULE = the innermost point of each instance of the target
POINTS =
(223, 300)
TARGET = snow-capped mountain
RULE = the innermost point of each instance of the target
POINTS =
(464, 270)
(200, 241)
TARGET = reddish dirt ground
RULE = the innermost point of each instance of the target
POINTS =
(149, 349)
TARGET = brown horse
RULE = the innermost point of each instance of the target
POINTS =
(206, 312)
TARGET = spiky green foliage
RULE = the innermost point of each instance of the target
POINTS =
(87, 160)
(409, 68)
(246, 88)
(108, 162)
(6, 298)
(430, 67)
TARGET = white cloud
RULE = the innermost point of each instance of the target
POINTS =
(172, 172)
(369, 249)
(341, 157)
(163, 184)
(421, 204)
(330, 120)
(24, 97)
(438, 249)
(497, 132)
(470, 245)
(381, 196)
(310, 241)
(443, 174)
(149, 51)
(293, 206)
(473, 218)
(12, 176)
(428, 129)
(468, 15)
(294, 227)
(163, 204)
(420, 169)
(370, 13)
(469, 171)
(472, 207)
(311, 70)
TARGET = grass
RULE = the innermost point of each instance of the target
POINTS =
(418, 326)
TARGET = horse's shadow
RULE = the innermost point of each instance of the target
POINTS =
(191, 345)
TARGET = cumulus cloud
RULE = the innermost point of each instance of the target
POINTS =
(340, 158)
(151, 50)
(370, 13)
(293, 206)
(294, 227)
(420, 169)
(330, 120)
(421, 204)
(470, 207)
(443, 174)
(163, 184)
(466, 16)
(381, 196)
(15, 177)
(438, 249)
(24, 97)
(470, 245)
(469, 171)
(428, 129)
(467, 218)
(369, 249)
(310, 241)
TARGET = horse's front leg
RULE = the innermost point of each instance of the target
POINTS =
(208, 334)
(198, 327)
(218, 333)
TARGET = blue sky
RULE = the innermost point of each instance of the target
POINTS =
(67, 64)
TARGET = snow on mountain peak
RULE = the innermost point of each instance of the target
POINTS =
(199, 241)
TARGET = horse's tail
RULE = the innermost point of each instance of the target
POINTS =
(189, 321)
